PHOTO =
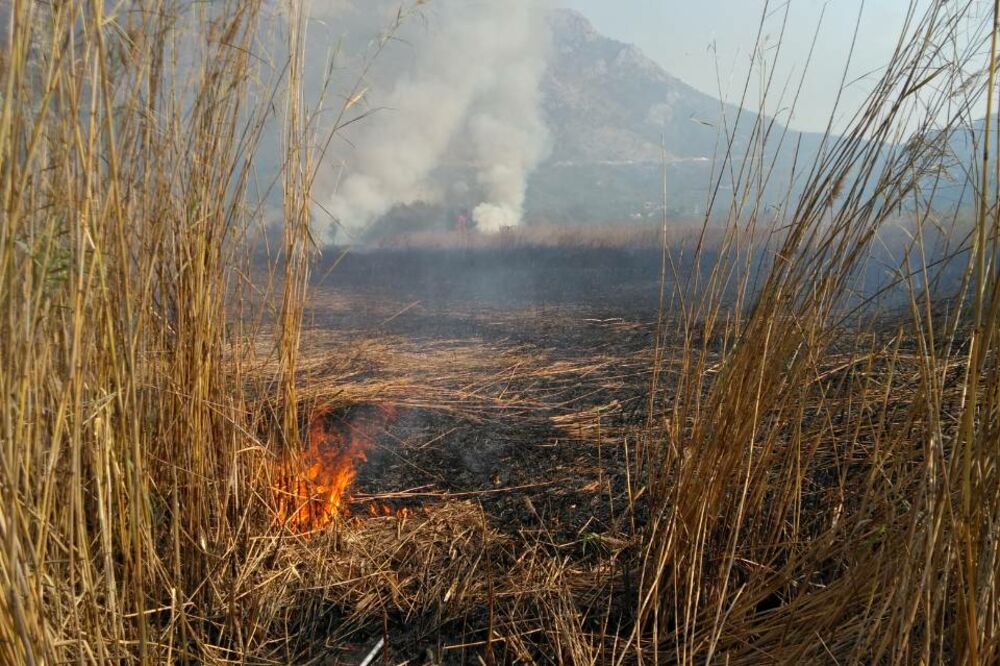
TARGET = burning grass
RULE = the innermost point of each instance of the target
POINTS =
(314, 482)
(547, 561)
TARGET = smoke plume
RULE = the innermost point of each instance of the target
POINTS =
(460, 88)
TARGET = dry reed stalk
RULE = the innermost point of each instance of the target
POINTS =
(128, 471)
(806, 510)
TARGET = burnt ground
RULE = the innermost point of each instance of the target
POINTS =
(503, 495)
(519, 383)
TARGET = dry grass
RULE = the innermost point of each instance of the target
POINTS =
(131, 486)
(826, 491)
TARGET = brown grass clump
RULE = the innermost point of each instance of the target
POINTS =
(442, 564)
(130, 482)
(824, 489)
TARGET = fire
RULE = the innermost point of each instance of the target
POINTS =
(314, 487)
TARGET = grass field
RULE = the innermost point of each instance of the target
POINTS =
(714, 446)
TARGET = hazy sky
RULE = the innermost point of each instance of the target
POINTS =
(690, 37)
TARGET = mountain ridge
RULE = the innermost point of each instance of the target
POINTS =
(617, 118)
(607, 101)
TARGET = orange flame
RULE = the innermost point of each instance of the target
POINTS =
(313, 488)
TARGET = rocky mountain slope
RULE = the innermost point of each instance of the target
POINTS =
(616, 117)
(607, 102)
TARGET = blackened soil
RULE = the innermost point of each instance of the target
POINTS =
(613, 280)
(544, 444)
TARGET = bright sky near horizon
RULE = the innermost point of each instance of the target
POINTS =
(703, 42)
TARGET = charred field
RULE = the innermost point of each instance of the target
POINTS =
(520, 402)
(518, 380)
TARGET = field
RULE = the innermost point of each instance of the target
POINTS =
(515, 457)
(766, 437)
(506, 458)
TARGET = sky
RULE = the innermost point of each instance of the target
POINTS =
(703, 42)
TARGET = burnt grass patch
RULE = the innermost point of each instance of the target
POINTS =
(525, 389)
(502, 496)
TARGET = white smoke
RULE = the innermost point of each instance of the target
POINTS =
(463, 88)
(492, 217)
(509, 138)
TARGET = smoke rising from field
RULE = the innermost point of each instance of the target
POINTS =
(462, 88)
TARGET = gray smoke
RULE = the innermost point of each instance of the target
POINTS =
(460, 86)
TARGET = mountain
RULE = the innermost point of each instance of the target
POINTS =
(616, 117)
(961, 166)
(607, 102)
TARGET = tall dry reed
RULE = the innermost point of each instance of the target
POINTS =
(132, 466)
(824, 480)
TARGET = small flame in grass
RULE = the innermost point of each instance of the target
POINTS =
(313, 488)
